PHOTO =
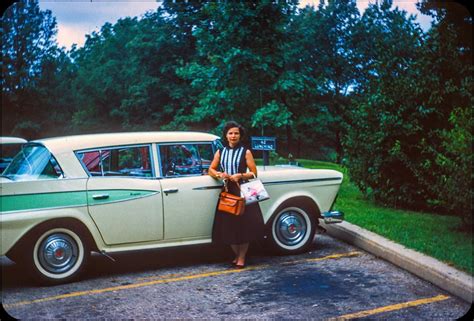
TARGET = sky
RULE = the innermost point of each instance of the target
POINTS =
(76, 18)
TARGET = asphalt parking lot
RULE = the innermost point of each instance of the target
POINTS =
(332, 281)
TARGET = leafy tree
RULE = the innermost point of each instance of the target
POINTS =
(319, 71)
(386, 113)
(447, 87)
(127, 75)
(239, 60)
(411, 137)
(28, 39)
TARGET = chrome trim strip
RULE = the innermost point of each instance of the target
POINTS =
(207, 188)
(304, 181)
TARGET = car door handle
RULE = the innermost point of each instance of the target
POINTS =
(171, 190)
(100, 196)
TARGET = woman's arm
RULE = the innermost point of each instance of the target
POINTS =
(213, 172)
(213, 168)
(251, 165)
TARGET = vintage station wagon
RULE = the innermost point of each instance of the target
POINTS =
(62, 198)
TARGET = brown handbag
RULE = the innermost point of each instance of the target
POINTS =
(230, 203)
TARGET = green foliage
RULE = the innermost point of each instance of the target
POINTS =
(384, 118)
(397, 142)
(273, 114)
(238, 62)
(453, 187)
(435, 235)
(27, 42)
(319, 69)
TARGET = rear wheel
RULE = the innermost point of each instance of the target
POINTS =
(57, 255)
(292, 230)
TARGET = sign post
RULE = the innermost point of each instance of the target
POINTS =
(264, 144)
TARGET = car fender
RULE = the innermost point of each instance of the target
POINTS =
(16, 226)
(268, 212)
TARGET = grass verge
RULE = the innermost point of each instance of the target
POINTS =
(432, 234)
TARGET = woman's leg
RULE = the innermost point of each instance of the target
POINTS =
(236, 249)
(243, 248)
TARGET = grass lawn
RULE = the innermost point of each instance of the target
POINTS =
(431, 234)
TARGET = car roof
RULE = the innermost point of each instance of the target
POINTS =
(91, 141)
(12, 140)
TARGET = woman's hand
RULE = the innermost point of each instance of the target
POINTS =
(236, 177)
(223, 175)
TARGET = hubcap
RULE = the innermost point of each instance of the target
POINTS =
(58, 253)
(291, 228)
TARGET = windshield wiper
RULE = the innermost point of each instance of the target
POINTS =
(6, 176)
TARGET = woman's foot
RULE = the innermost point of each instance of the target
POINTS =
(240, 263)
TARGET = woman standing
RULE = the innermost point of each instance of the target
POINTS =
(234, 160)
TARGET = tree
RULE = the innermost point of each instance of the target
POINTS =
(386, 113)
(127, 74)
(28, 39)
(239, 60)
(447, 88)
(319, 72)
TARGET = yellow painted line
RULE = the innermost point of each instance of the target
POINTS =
(394, 307)
(169, 279)
(255, 267)
(333, 256)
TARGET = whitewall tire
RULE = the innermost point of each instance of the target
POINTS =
(58, 255)
(292, 230)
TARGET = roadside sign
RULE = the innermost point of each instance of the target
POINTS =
(263, 143)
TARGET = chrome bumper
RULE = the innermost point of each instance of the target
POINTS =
(332, 217)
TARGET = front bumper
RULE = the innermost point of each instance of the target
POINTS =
(332, 217)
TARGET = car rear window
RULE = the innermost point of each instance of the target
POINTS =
(132, 161)
(33, 162)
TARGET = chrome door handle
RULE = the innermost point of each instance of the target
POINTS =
(171, 190)
(100, 196)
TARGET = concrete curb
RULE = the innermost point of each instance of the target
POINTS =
(440, 274)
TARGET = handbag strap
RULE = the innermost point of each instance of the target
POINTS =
(225, 185)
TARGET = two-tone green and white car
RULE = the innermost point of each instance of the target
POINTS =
(62, 198)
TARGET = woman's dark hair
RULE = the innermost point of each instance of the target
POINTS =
(229, 125)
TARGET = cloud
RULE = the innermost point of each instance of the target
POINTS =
(77, 18)
(407, 5)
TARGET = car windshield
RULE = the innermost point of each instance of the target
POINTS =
(33, 162)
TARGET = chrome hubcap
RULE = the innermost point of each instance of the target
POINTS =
(291, 228)
(58, 253)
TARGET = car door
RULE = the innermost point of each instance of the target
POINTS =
(124, 197)
(189, 193)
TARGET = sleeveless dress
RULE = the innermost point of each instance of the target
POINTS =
(231, 229)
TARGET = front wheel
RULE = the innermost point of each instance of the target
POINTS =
(292, 230)
(58, 255)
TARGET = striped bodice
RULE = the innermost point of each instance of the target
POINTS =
(230, 159)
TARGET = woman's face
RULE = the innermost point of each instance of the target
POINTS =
(233, 136)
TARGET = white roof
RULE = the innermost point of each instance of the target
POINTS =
(12, 140)
(80, 142)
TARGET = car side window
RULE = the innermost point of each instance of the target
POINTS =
(185, 159)
(122, 161)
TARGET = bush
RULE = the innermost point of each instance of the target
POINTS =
(455, 160)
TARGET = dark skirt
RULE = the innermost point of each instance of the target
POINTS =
(231, 229)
